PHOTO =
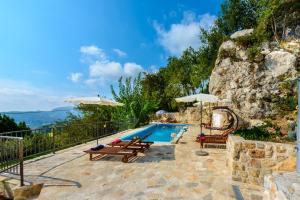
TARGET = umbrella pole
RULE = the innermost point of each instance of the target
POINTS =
(210, 118)
(97, 132)
(97, 111)
(201, 108)
(201, 152)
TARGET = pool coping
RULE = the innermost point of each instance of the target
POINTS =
(176, 139)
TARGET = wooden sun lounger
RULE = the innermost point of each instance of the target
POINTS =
(126, 151)
(216, 139)
(142, 145)
(138, 144)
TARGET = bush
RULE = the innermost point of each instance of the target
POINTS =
(286, 104)
(266, 132)
(255, 133)
(253, 51)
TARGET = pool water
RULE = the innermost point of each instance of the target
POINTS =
(159, 132)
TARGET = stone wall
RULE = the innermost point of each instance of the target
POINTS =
(249, 161)
(191, 115)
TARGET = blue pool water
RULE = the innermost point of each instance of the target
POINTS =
(159, 132)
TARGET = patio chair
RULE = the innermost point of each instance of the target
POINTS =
(127, 151)
(216, 139)
(139, 143)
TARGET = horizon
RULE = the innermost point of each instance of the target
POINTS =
(53, 50)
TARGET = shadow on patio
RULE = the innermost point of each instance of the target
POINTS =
(154, 154)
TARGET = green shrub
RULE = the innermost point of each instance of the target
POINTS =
(266, 132)
(253, 51)
(255, 133)
(246, 41)
(292, 136)
(287, 104)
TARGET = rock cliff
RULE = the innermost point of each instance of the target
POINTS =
(255, 83)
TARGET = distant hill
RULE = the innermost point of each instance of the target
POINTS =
(35, 119)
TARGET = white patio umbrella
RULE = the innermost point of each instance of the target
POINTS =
(199, 99)
(93, 101)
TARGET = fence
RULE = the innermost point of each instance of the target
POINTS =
(11, 155)
(16, 145)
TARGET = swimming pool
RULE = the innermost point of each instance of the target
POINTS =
(159, 132)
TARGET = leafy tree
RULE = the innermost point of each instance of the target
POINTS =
(9, 124)
(136, 106)
(237, 15)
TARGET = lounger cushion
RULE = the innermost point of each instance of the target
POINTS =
(100, 146)
(116, 141)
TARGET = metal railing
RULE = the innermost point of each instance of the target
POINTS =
(11, 156)
(18, 145)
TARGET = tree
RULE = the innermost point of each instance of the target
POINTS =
(136, 106)
(8, 124)
(237, 15)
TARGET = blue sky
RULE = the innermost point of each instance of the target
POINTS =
(54, 49)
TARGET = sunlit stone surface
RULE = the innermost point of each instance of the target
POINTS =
(163, 172)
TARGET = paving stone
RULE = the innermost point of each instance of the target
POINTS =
(256, 197)
(163, 172)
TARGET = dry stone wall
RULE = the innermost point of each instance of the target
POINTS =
(249, 161)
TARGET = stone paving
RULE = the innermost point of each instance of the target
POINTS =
(163, 172)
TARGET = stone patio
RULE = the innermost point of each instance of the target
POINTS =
(163, 172)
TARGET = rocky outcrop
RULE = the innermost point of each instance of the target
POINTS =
(252, 83)
(241, 33)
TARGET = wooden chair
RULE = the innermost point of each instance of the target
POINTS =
(139, 143)
(127, 151)
(216, 139)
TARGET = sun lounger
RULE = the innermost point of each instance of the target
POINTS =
(216, 139)
(127, 151)
(139, 143)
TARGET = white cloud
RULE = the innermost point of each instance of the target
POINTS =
(92, 50)
(22, 96)
(90, 54)
(104, 69)
(120, 53)
(132, 69)
(75, 77)
(184, 34)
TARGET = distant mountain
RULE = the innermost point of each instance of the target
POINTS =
(35, 119)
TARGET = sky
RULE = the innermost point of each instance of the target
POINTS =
(54, 49)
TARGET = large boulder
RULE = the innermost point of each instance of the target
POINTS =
(242, 33)
(280, 62)
(252, 84)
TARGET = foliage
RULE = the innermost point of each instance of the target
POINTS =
(8, 124)
(288, 100)
(255, 133)
(287, 103)
(237, 15)
(265, 132)
(275, 16)
(136, 106)
(253, 51)
(93, 113)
